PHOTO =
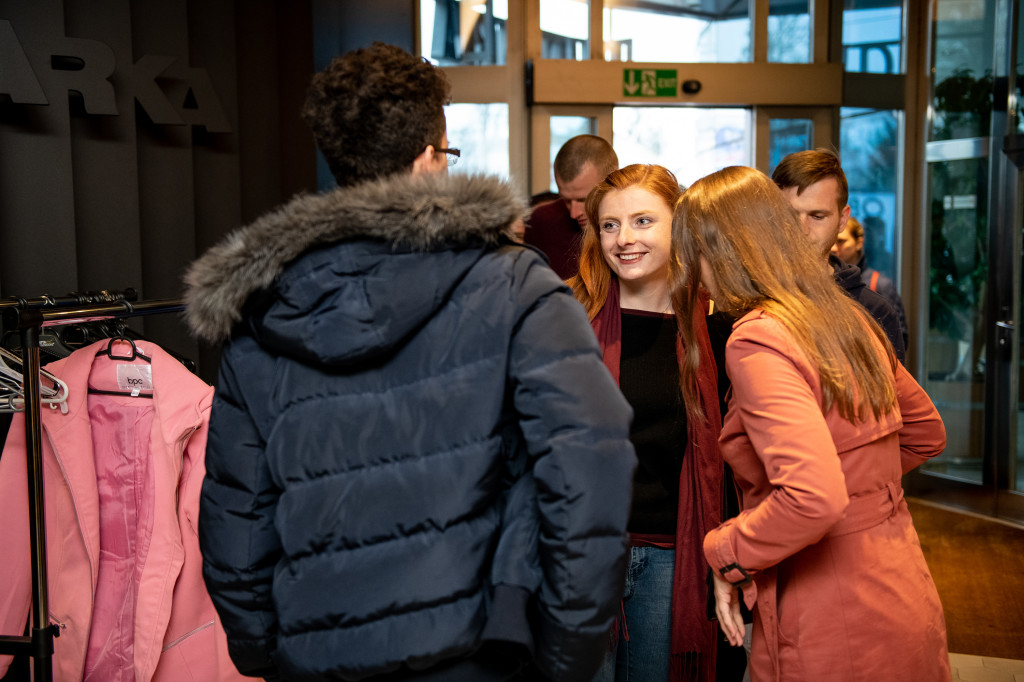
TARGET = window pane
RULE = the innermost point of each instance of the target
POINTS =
(643, 31)
(562, 129)
(481, 132)
(1018, 124)
(564, 29)
(870, 154)
(962, 72)
(1019, 97)
(872, 36)
(788, 135)
(789, 32)
(958, 235)
(454, 33)
(689, 142)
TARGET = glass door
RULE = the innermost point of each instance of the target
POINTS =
(970, 355)
(1006, 337)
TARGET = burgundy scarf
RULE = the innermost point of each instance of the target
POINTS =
(700, 496)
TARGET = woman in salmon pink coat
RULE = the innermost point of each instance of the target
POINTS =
(821, 425)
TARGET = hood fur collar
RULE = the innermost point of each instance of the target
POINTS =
(419, 212)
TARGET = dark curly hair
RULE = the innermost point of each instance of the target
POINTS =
(372, 111)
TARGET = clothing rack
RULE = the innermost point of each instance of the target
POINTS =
(78, 298)
(29, 316)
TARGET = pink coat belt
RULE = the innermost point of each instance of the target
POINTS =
(869, 510)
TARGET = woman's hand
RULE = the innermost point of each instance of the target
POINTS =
(727, 608)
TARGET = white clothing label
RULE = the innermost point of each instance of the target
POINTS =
(134, 378)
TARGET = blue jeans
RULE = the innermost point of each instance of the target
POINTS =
(647, 602)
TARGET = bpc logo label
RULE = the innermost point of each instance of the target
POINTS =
(86, 68)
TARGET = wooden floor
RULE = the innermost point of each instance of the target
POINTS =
(978, 567)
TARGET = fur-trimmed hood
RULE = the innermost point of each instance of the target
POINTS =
(353, 253)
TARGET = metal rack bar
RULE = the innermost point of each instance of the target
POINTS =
(74, 298)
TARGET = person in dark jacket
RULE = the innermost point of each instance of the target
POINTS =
(418, 466)
(849, 248)
(814, 182)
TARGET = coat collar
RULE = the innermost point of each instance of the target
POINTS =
(182, 397)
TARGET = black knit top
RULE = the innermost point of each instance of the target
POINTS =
(649, 378)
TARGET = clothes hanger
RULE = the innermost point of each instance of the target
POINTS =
(189, 363)
(12, 392)
(135, 354)
(51, 345)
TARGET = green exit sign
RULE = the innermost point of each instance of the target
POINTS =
(649, 82)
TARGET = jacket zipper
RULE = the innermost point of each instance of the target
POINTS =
(187, 635)
(61, 625)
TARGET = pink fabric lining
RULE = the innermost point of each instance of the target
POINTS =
(121, 442)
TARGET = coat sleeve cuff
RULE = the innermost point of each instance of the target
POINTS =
(718, 551)
(722, 560)
(508, 621)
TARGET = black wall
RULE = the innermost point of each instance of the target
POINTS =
(135, 134)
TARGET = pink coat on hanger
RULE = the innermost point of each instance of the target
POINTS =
(122, 477)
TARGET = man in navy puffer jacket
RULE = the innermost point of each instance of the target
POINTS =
(418, 466)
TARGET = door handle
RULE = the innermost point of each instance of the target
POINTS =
(1004, 330)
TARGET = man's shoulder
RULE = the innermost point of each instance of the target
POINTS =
(551, 229)
(553, 211)
(874, 301)
(887, 316)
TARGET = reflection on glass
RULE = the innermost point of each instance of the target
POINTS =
(789, 32)
(470, 33)
(870, 152)
(564, 29)
(562, 129)
(958, 231)
(872, 36)
(689, 142)
(962, 85)
(643, 31)
(1018, 101)
(481, 132)
(1018, 476)
(787, 135)
(956, 366)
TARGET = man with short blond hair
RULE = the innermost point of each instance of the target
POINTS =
(556, 227)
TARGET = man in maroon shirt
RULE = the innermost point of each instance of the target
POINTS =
(556, 227)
